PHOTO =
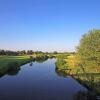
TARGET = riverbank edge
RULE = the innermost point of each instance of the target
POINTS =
(91, 91)
(10, 62)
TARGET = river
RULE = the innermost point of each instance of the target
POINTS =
(38, 81)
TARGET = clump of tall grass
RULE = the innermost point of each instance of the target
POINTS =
(61, 64)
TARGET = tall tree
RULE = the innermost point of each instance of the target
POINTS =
(89, 49)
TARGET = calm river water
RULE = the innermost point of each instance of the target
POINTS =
(38, 81)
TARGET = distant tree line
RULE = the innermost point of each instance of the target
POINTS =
(8, 52)
(15, 53)
(30, 52)
(24, 52)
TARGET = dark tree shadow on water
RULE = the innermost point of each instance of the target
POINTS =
(61, 73)
(80, 95)
(84, 95)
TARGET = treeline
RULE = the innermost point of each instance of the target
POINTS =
(31, 52)
(15, 53)
(23, 52)
(8, 52)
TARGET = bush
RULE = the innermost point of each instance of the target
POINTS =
(41, 57)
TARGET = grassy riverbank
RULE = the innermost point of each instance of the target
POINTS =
(88, 76)
(5, 61)
(8, 62)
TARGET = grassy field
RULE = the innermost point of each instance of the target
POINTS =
(7, 62)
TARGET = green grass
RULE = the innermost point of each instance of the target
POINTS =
(7, 62)
(61, 64)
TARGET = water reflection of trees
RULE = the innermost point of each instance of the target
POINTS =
(41, 60)
(84, 95)
(81, 95)
(61, 73)
(13, 68)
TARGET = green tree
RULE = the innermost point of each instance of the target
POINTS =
(89, 49)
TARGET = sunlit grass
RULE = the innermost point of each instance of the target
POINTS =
(90, 76)
(5, 60)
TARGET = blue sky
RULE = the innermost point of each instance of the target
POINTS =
(46, 25)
